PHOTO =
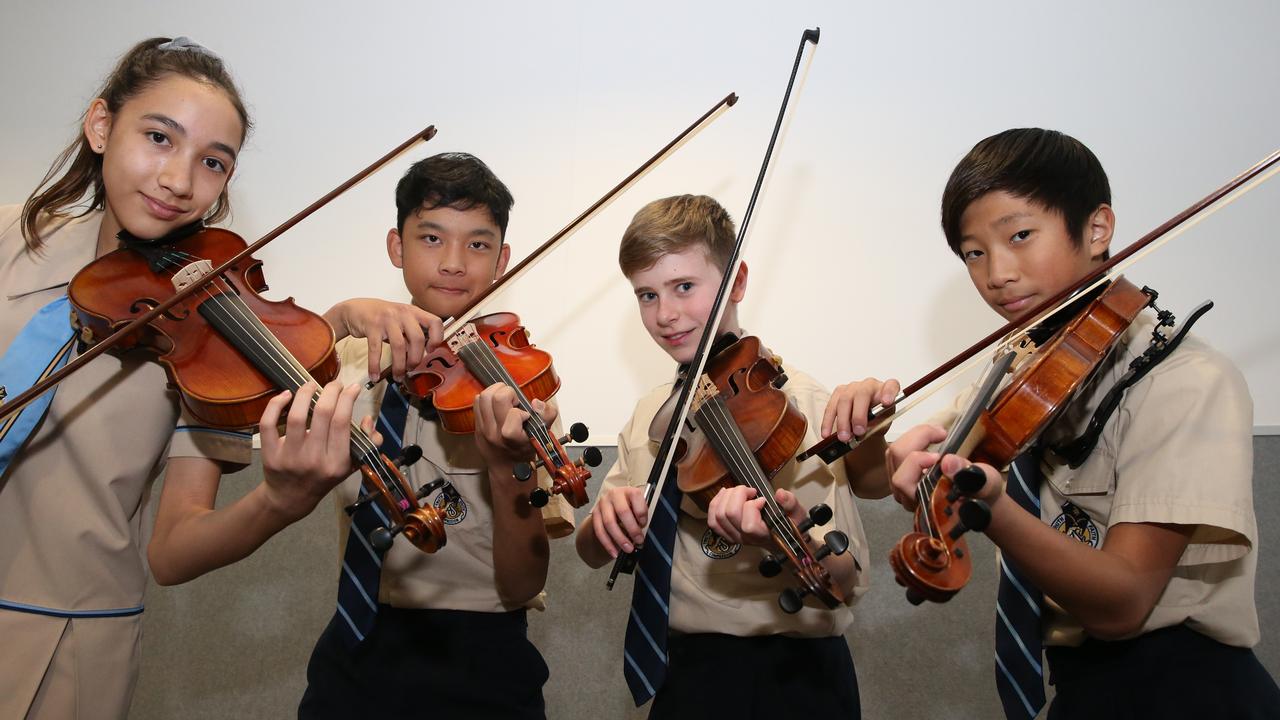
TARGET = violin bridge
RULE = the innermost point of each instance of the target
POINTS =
(467, 335)
(704, 392)
(192, 273)
(1022, 348)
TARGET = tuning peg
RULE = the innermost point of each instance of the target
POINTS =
(834, 543)
(819, 514)
(523, 470)
(970, 480)
(381, 538)
(539, 498)
(430, 487)
(408, 456)
(769, 566)
(591, 456)
(779, 380)
(974, 515)
(578, 432)
(360, 501)
(914, 597)
(791, 600)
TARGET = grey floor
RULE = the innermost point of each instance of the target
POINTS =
(234, 644)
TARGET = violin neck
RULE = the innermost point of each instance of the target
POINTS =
(229, 315)
(483, 363)
(726, 438)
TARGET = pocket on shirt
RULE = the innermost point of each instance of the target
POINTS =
(1095, 477)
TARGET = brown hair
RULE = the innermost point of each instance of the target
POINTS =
(673, 225)
(81, 168)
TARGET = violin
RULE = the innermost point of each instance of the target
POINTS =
(493, 349)
(744, 430)
(228, 351)
(932, 562)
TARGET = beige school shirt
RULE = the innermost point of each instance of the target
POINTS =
(1178, 449)
(459, 576)
(75, 512)
(716, 586)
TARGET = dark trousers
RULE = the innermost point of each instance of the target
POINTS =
(1170, 673)
(768, 676)
(436, 664)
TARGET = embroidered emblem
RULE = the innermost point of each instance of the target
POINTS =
(1076, 523)
(453, 509)
(716, 547)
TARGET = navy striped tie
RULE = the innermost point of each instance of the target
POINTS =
(645, 647)
(361, 564)
(1019, 668)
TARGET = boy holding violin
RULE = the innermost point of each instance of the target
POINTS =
(720, 644)
(1135, 568)
(443, 633)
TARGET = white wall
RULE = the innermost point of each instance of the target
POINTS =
(849, 272)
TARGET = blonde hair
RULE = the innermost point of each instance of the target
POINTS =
(81, 168)
(673, 225)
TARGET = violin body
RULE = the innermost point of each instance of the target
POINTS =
(771, 424)
(444, 378)
(1046, 383)
(219, 385)
(493, 349)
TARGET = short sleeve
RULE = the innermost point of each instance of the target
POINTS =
(193, 439)
(1184, 455)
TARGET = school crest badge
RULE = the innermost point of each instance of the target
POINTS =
(1076, 523)
(453, 509)
(716, 547)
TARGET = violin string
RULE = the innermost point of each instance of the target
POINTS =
(748, 471)
(246, 323)
(483, 355)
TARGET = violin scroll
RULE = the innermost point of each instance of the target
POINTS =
(567, 478)
(387, 487)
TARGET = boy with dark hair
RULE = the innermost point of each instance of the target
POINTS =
(1135, 569)
(443, 631)
(731, 651)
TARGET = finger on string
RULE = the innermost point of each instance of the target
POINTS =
(269, 424)
(295, 429)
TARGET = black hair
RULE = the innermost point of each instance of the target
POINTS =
(1047, 167)
(457, 180)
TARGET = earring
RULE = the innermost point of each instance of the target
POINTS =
(99, 146)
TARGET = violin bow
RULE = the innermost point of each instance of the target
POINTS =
(626, 563)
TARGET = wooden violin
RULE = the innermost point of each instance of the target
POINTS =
(932, 562)
(745, 429)
(496, 349)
